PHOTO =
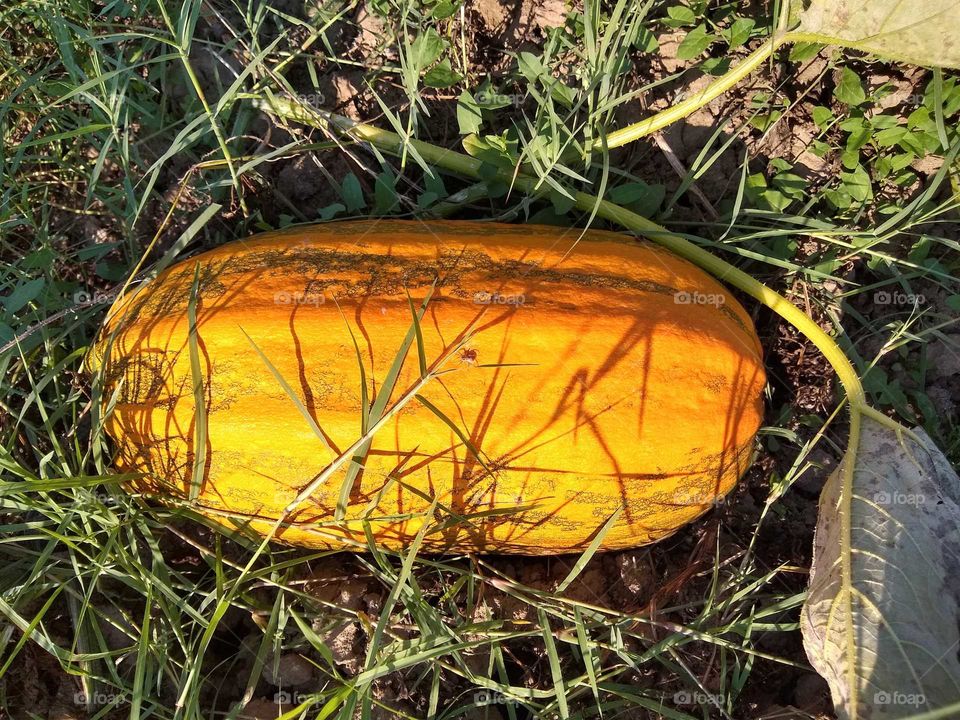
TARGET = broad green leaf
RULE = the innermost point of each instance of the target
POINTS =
(822, 116)
(352, 193)
(880, 619)
(890, 136)
(468, 114)
(681, 15)
(493, 149)
(441, 76)
(443, 9)
(329, 212)
(22, 294)
(426, 49)
(638, 196)
(739, 32)
(385, 193)
(694, 43)
(857, 184)
(922, 33)
(645, 41)
(803, 51)
(849, 90)
(531, 67)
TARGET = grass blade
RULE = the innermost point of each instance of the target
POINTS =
(317, 430)
(591, 549)
(199, 397)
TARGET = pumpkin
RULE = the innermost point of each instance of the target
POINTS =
(588, 383)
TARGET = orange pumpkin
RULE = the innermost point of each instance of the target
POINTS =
(577, 378)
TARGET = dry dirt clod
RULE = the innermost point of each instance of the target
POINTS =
(371, 30)
(636, 574)
(264, 709)
(290, 670)
(520, 22)
(330, 584)
(808, 165)
(300, 179)
(944, 357)
(346, 91)
(811, 71)
(493, 13)
(346, 645)
(548, 14)
(822, 463)
(943, 401)
(928, 165)
(812, 694)
(669, 44)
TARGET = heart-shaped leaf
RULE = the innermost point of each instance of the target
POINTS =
(880, 620)
(919, 32)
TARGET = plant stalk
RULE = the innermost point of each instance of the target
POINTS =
(469, 167)
(689, 105)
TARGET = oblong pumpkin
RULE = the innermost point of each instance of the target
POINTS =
(590, 374)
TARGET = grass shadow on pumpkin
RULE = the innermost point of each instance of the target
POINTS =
(466, 485)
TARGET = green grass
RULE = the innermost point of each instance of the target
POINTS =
(130, 140)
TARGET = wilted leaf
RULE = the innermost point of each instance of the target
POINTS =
(880, 620)
(922, 33)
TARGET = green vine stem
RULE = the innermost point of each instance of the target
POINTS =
(689, 105)
(468, 167)
(473, 193)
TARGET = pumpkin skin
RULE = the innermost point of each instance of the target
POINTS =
(602, 372)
